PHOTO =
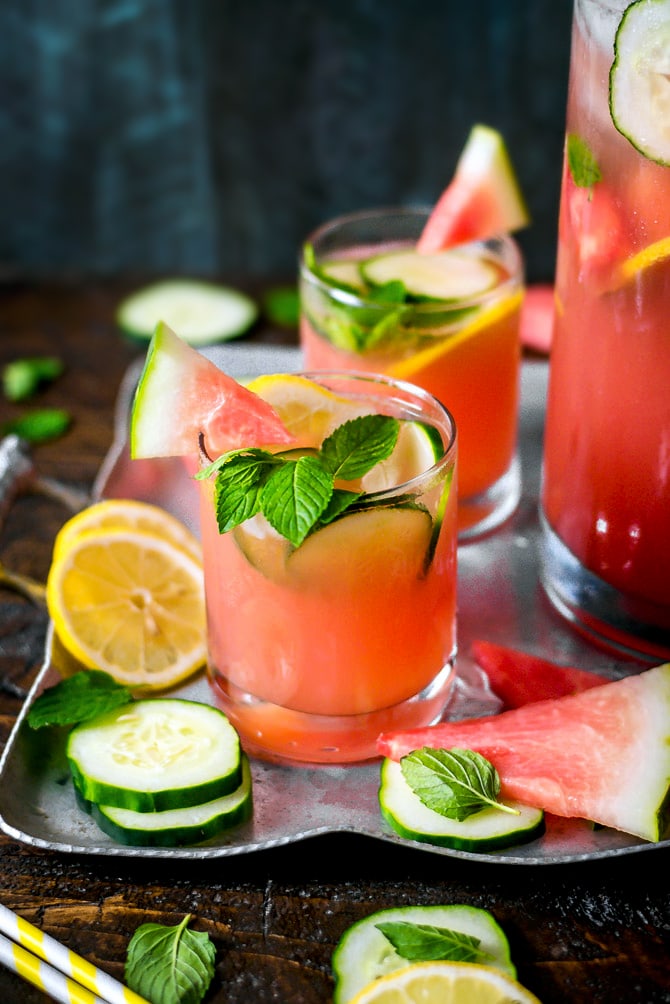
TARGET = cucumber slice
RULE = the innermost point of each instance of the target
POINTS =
(345, 274)
(154, 755)
(418, 448)
(174, 827)
(445, 275)
(639, 78)
(487, 830)
(201, 312)
(363, 953)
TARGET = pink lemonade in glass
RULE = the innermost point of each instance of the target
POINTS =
(316, 648)
(606, 483)
(448, 322)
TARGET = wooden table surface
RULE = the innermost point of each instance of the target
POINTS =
(586, 932)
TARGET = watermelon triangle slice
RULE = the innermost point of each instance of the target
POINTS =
(181, 394)
(602, 755)
(483, 198)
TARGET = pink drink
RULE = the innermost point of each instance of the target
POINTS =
(315, 650)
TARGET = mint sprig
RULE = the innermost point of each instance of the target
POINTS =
(295, 490)
(456, 783)
(428, 943)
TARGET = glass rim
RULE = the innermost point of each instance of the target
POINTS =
(504, 241)
(413, 393)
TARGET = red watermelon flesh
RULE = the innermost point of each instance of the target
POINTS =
(181, 393)
(520, 678)
(601, 755)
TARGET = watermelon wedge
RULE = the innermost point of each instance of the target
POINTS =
(483, 198)
(520, 678)
(602, 755)
(181, 394)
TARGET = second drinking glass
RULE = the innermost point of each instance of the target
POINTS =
(448, 322)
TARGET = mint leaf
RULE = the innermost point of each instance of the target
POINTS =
(455, 783)
(355, 447)
(22, 377)
(170, 965)
(581, 162)
(340, 501)
(39, 426)
(426, 943)
(294, 497)
(237, 489)
(78, 698)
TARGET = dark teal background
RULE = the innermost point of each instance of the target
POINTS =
(167, 136)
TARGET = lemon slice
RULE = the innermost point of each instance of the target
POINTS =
(128, 514)
(307, 409)
(130, 603)
(644, 260)
(406, 368)
(445, 983)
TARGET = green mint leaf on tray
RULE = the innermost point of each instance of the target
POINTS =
(582, 163)
(21, 378)
(355, 447)
(173, 965)
(78, 698)
(427, 943)
(295, 489)
(455, 783)
(39, 426)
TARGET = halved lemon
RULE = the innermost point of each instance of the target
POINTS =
(445, 983)
(130, 603)
(128, 514)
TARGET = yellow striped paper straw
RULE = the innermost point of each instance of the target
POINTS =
(90, 981)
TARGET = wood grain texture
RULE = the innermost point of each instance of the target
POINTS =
(595, 933)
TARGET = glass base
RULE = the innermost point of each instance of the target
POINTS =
(482, 513)
(626, 625)
(282, 735)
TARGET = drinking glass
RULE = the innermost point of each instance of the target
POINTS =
(605, 501)
(316, 649)
(462, 347)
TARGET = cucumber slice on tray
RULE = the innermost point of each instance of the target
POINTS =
(173, 827)
(487, 830)
(155, 755)
(202, 312)
(639, 84)
(364, 953)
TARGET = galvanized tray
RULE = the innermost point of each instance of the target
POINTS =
(500, 599)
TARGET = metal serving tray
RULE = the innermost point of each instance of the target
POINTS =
(500, 599)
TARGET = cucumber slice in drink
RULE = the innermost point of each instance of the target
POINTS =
(363, 953)
(201, 312)
(418, 448)
(487, 830)
(175, 827)
(640, 78)
(344, 273)
(445, 275)
(154, 755)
